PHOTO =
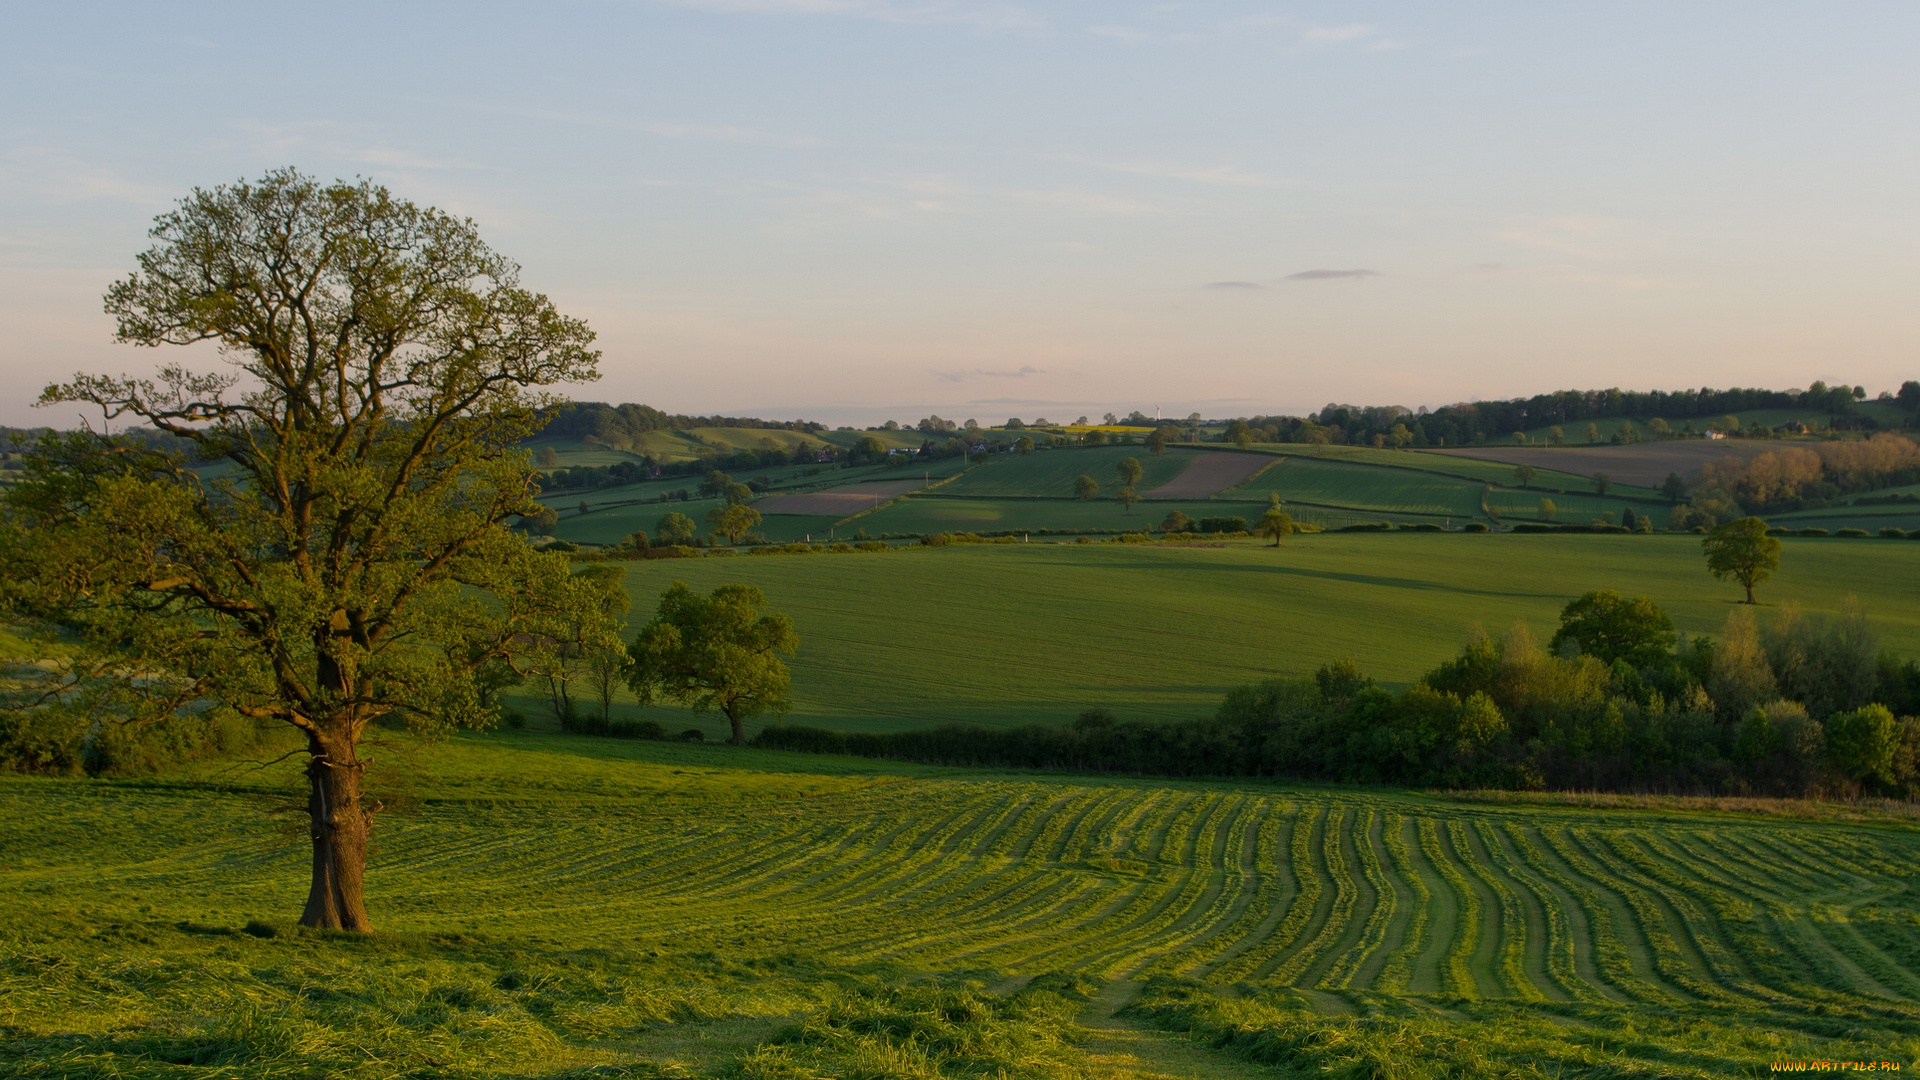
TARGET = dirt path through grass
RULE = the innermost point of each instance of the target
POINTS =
(1122, 1049)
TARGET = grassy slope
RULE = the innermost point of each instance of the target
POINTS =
(1015, 633)
(1051, 473)
(557, 905)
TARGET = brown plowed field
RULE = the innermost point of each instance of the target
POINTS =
(1646, 464)
(1209, 473)
(850, 499)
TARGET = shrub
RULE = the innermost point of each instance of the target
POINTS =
(1474, 527)
(693, 734)
(1891, 533)
(1851, 533)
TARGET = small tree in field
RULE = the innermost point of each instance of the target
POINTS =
(1602, 483)
(548, 458)
(1523, 475)
(348, 561)
(1275, 523)
(1127, 497)
(1157, 441)
(733, 521)
(1130, 471)
(1743, 551)
(1085, 487)
(715, 652)
(1548, 511)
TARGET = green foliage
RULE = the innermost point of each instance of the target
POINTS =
(674, 528)
(733, 520)
(1085, 487)
(1605, 625)
(1743, 551)
(346, 561)
(1275, 523)
(716, 652)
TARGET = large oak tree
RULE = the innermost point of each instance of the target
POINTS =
(331, 549)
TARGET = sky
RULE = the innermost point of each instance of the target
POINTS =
(858, 210)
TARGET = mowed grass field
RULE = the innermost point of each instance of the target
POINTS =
(568, 907)
(1018, 633)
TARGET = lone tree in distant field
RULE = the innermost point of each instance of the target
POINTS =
(1602, 483)
(1548, 511)
(349, 559)
(1523, 475)
(733, 520)
(1275, 523)
(1176, 522)
(1127, 497)
(1157, 441)
(1130, 471)
(1085, 487)
(1743, 551)
(1674, 487)
(715, 652)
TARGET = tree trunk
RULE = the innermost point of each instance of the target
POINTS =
(340, 829)
(1749, 594)
(739, 728)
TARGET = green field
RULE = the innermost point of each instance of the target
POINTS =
(1010, 634)
(1051, 473)
(1365, 487)
(568, 907)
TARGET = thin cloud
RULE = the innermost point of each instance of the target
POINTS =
(1365, 36)
(1331, 275)
(1120, 33)
(982, 373)
(664, 129)
(987, 16)
(1585, 236)
(1230, 285)
(1218, 175)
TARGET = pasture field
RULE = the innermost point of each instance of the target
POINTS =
(1017, 633)
(1490, 470)
(570, 907)
(1050, 474)
(1365, 487)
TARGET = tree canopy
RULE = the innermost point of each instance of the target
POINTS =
(715, 652)
(1608, 626)
(347, 560)
(1743, 551)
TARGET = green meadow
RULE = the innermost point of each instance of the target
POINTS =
(550, 906)
(1016, 633)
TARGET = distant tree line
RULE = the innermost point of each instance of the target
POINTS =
(1798, 705)
(617, 425)
(1478, 422)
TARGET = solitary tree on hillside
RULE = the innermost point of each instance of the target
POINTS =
(1556, 436)
(1602, 482)
(1127, 497)
(1275, 523)
(1176, 522)
(1130, 471)
(349, 560)
(1674, 488)
(1743, 551)
(1085, 487)
(1548, 511)
(733, 520)
(1593, 433)
(548, 458)
(715, 652)
(1157, 441)
(1523, 475)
